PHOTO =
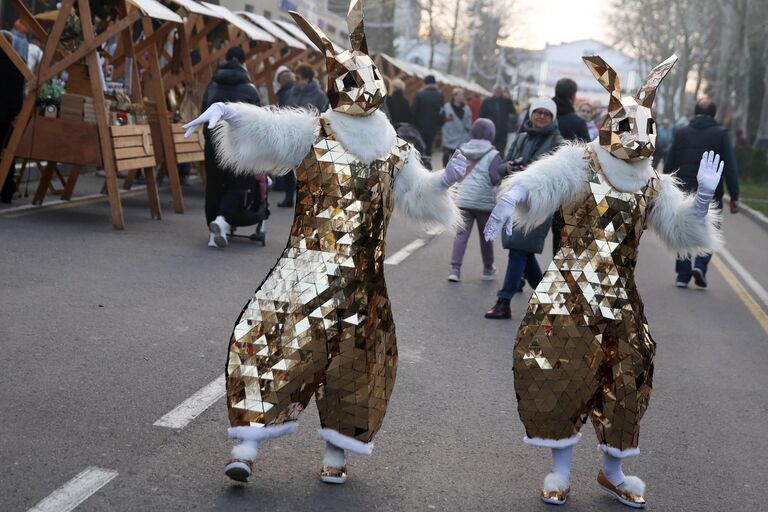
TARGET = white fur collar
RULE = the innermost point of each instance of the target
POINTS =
(624, 176)
(368, 138)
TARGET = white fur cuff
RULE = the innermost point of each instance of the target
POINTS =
(345, 442)
(552, 443)
(262, 433)
(634, 485)
(246, 451)
(554, 482)
(619, 454)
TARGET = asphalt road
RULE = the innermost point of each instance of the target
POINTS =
(104, 332)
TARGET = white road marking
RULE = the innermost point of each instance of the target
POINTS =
(194, 406)
(79, 199)
(73, 493)
(412, 247)
(744, 275)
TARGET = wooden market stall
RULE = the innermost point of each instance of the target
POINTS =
(97, 123)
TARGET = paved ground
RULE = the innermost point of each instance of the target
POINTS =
(104, 332)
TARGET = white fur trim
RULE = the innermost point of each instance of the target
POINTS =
(554, 482)
(265, 139)
(345, 442)
(552, 443)
(421, 196)
(551, 182)
(246, 451)
(634, 485)
(673, 218)
(619, 454)
(623, 176)
(262, 433)
(368, 138)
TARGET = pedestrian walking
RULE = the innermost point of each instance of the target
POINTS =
(587, 113)
(399, 110)
(538, 138)
(227, 195)
(284, 80)
(476, 196)
(457, 123)
(700, 135)
(475, 104)
(425, 110)
(500, 109)
(305, 93)
(12, 94)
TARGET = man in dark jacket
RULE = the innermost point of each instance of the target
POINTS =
(397, 104)
(426, 112)
(499, 109)
(689, 142)
(572, 128)
(230, 83)
(305, 93)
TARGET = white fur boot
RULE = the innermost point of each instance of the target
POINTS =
(219, 229)
(629, 490)
(240, 466)
(334, 465)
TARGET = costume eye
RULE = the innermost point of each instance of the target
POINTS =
(650, 126)
(624, 125)
(349, 81)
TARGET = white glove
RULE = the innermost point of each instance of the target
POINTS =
(503, 212)
(455, 170)
(212, 115)
(710, 171)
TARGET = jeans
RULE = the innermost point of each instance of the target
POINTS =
(468, 217)
(520, 264)
(684, 269)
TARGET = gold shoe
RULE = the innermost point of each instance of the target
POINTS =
(629, 492)
(332, 475)
(556, 489)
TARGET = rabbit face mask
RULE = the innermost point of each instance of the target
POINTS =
(355, 86)
(628, 131)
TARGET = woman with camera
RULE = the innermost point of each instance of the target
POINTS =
(538, 137)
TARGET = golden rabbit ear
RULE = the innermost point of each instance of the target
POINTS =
(314, 33)
(356, 27)
(647, 92)
(607, 77)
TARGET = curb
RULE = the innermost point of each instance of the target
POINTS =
(752, 214)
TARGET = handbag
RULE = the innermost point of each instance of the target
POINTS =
(532, 242)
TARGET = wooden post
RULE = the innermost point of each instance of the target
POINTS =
(105, 137)
(166, 130)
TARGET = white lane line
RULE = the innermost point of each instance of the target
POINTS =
(412, 247)
(194, 406)
(76, 491)
(745, 276)
(55, 202)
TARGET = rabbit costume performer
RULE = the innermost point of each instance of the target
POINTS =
(583, 348)
(321, 323)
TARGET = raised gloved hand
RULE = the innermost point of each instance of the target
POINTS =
(212, 115)
(455, 170)
(503, 212)
(710, 171)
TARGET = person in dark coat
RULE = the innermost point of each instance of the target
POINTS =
(284, 80)
(12, 98)
(689, 142)
(305, 93)
(572, 128)
(425, 110)
(399, 110)
(500, 109)
(230, 83)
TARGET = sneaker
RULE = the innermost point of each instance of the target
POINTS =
(212, 240)
(500, 310)
(220, 229)
(699, 278)
(239, 469)
(629, 492)
(455, 276)
(489, 274)
(682, 282)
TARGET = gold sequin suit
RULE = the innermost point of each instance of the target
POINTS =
(583, 347)
(321, 324)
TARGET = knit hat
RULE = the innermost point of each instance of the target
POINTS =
(280, 71)
(483, 129)
(545, 103)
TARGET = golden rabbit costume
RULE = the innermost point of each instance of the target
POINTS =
(321, 323)
(583, 348)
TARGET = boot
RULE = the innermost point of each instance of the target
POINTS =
(500, 310)
(220, 229)
(334, 465)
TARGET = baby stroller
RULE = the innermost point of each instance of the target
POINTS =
(410, 134)
(248, 206)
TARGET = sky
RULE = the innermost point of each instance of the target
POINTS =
(555, 21)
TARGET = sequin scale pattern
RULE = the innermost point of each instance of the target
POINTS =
(583, 347)
(321, 324)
